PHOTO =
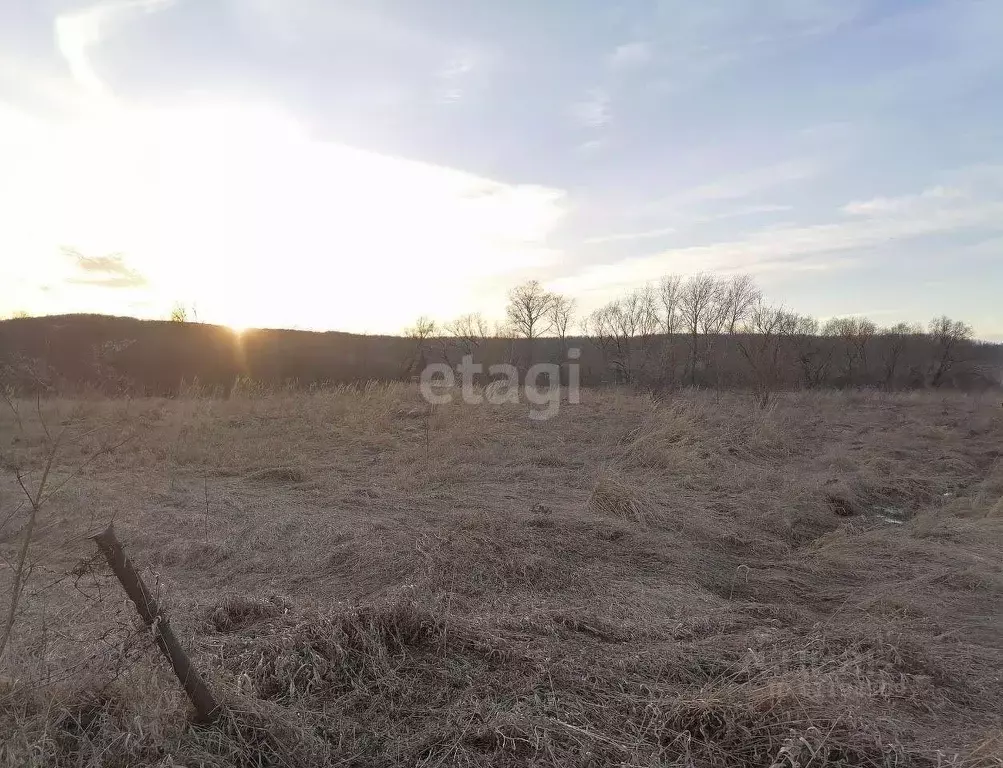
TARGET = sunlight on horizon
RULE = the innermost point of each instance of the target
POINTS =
(235, 210)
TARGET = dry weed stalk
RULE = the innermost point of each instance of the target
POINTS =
(35, 507)
(38, 496)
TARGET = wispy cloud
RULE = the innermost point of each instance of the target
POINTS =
(698, 41)
(75, 34)
(109, 271)
(464, 72)
(629, 56)
(747, 183)
(594, 110)
(685, 204)
(79, 31)
(685, 221)
(592, 145)
(451, 78)
(741, 27)
(885, 205)
(799, 248)
(622, 236)
(749, 210)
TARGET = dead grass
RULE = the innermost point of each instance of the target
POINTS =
(633, 583)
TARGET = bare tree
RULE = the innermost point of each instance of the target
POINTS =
(420, 333)
(670, 320)
(184, 313)
(623, 331)
(423, 328)
(669, 297)
(529, 313)
(741, 297)
(529, 310)
(712, 325)
(644, 303)
(813, 352)
(562, 315)
(855, 333)
(713, 320)
(471, 326)
(601, 327)
(763, 342)
(640, 312)
(862, 341)
(699, 310)
(897, 341)
(504, 332)
(596, 327)
(469, 331)
(948, 336)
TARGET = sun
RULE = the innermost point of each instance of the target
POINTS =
(235, 315)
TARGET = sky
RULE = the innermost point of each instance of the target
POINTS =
(353, 164)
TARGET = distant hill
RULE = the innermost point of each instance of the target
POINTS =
(154, 357)
(123, 354)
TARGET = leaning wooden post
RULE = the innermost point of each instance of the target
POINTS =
(205, 705)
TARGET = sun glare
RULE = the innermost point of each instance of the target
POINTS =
(280, 229)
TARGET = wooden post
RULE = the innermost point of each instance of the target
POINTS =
(206, 707)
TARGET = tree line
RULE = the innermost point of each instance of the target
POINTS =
(699, 331)
(705, 330)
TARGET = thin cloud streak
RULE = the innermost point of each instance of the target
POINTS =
(647, 235)
(737, 186)
(801, 246)
(78, 32)
(686, 222)
(629, 56)
(594, 110)
(109, 271)
(886, 205)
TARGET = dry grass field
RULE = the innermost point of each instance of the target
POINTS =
(635, 582)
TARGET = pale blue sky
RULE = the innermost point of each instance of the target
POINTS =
(349, 164)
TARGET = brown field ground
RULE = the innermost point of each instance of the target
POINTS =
(635, 582)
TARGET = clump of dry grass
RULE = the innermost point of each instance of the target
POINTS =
(237, 611)
(620, 497)
(687, 582)
(278, 475)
